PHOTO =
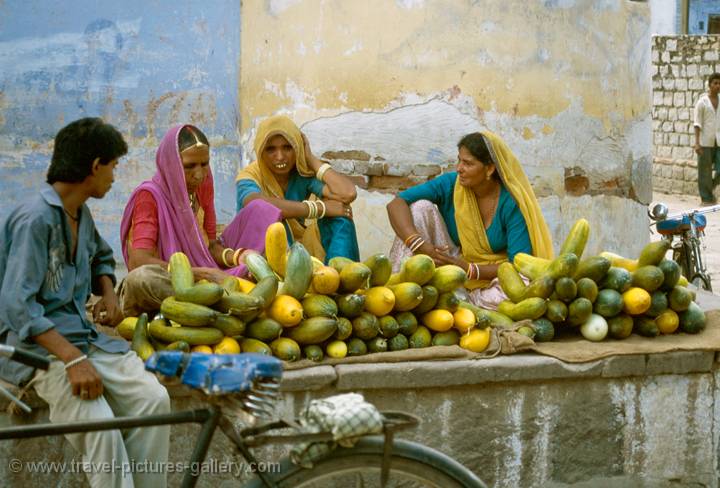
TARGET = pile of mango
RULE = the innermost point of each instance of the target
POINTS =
(297, 307)
(600, 296)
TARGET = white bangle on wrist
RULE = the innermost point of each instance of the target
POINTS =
(75, 361)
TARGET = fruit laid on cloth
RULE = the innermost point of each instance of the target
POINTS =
(285, 349)
(576, 239)
(276, 246)
(325, 280)
(181, 275)
(227, 345)
(595, 328)
(349, 308)
(140, 340)
(476, 340)
(379, 300)
(418, 269)
(286, 310)
(380, 269)
(126, 327)
(299, 272)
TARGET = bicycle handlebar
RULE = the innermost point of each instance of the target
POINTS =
(695, 211)
(24, 357)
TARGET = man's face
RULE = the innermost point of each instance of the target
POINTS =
(103, 176)
(715, 86)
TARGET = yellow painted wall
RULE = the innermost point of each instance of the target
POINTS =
(522, 58)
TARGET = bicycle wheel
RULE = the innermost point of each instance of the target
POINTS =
(701, 281)
(412, 465)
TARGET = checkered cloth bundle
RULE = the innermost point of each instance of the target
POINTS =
(346, 416)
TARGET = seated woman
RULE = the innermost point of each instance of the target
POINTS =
(286, 174)
(175, 211)
(486, 213)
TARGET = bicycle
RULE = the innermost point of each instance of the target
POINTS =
(249, 384)
(689, 228)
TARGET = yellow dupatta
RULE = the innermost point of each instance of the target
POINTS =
(471, 230)
(258, 172)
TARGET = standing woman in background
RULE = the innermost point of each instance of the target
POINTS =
(286, 174)
(476, 218)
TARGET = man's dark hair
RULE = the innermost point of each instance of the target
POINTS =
(78, 144)
(475, 143)
(714, 76)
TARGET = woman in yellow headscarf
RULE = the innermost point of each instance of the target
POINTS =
(286, 174)
(478, 217)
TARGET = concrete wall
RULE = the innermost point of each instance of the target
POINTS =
(516, 421)
(389, 82)
(564, 82)
(681, 65)
(142, 65)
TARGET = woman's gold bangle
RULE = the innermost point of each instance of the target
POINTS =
(224, 259)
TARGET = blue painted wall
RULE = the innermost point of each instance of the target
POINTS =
(142, 65)
(699, 10)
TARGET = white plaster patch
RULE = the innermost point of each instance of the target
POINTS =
(547, 416)
(513, 463)
(408, 4)
(356, 47)
(277, 7)
(427, 132)
(301, 49)
(488, 26)
(543, 54)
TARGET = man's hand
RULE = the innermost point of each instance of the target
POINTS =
(107, 310)
(85, 380)
(698, 149)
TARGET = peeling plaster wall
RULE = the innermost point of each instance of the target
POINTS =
(564, 82)
(141, 65)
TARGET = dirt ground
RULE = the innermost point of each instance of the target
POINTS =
(711, 241)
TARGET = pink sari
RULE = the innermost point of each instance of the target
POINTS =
(178, 229)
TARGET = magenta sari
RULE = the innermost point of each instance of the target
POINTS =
(178, 229)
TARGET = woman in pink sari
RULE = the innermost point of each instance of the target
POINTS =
(175, 211)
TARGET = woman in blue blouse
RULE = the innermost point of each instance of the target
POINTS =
(476, 218)
(286, 174)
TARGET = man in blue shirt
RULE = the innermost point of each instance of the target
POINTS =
(51, 258)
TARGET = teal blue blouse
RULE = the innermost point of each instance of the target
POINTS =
(508, 230)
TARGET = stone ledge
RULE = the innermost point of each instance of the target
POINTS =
(314, 378)
(502, 369)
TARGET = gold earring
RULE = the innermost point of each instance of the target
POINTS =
(488, 176)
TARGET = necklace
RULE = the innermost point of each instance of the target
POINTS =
(76, 219)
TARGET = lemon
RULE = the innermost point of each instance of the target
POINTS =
(286, 310)
(379, 301)
(464, 319)
(203, 349)
(336, 349)
(476, 340)
(636, 301)
(667, 322)
(227, 345)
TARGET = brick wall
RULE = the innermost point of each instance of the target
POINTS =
(681, 65)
